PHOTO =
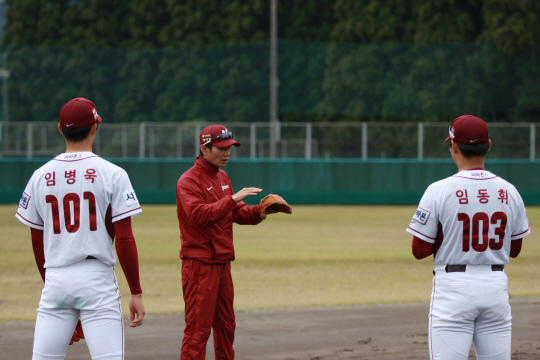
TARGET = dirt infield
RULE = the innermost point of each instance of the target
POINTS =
(382, 332)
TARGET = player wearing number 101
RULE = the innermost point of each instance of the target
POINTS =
(75, 205)
(472, 222)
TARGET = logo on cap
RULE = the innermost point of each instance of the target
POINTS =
(451, 132)
(217, 135)
(79, 113)
(468, 129)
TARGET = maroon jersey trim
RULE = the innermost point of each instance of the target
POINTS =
(126, 212)
(465, 177)
(429, 237)
(521, 232)
(29, 220)
(89, 157)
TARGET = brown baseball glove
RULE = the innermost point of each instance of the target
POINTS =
(77, 334)
(272, 204)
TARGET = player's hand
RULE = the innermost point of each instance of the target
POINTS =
(78, 334)
(245, 192)
(136, 310)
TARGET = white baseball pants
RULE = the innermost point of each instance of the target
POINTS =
(87, 289)
(470, 307)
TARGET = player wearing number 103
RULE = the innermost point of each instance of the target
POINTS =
(75, 205)
(472, 222)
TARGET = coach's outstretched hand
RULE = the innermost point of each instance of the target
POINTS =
(77, 334)
(136, 310)
(245, 192)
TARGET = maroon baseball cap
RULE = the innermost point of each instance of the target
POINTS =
(217, 135)
(468, 129)
(78, 113)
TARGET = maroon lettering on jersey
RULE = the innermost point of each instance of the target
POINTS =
(72, 224)
(503, 196)
(90, 174)
(51, 199)
(463, 197)
(499, 219)
(70, 176)
(51, 179)
(72, 156)
(496, 244)
(483, 196)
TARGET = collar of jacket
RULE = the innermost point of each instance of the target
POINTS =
(206, 166)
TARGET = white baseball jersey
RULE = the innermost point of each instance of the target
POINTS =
(473, 216)
(75, 198)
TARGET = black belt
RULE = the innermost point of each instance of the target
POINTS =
(89, 257)
(463, 268)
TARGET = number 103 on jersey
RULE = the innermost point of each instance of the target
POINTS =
(482, 232)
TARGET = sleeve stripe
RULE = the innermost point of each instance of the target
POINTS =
(521, 233)
(28, 221)
(126, 212)
(429, 237)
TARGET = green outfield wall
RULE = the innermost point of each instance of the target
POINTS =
(333, 181)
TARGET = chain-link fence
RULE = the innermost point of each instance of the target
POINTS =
(366, 140)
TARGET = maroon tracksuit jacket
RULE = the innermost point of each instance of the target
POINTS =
(206, 212)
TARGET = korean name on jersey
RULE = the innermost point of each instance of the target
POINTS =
(473, 216)
(75, 198)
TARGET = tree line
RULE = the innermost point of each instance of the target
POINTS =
(339, 60)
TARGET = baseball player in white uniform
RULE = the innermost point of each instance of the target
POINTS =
(74, 205)
(472, 222)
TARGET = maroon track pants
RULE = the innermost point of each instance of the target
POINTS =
(208, 295)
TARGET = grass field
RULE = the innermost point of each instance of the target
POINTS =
(319, 255)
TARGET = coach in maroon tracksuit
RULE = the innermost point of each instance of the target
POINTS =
(206, 208)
